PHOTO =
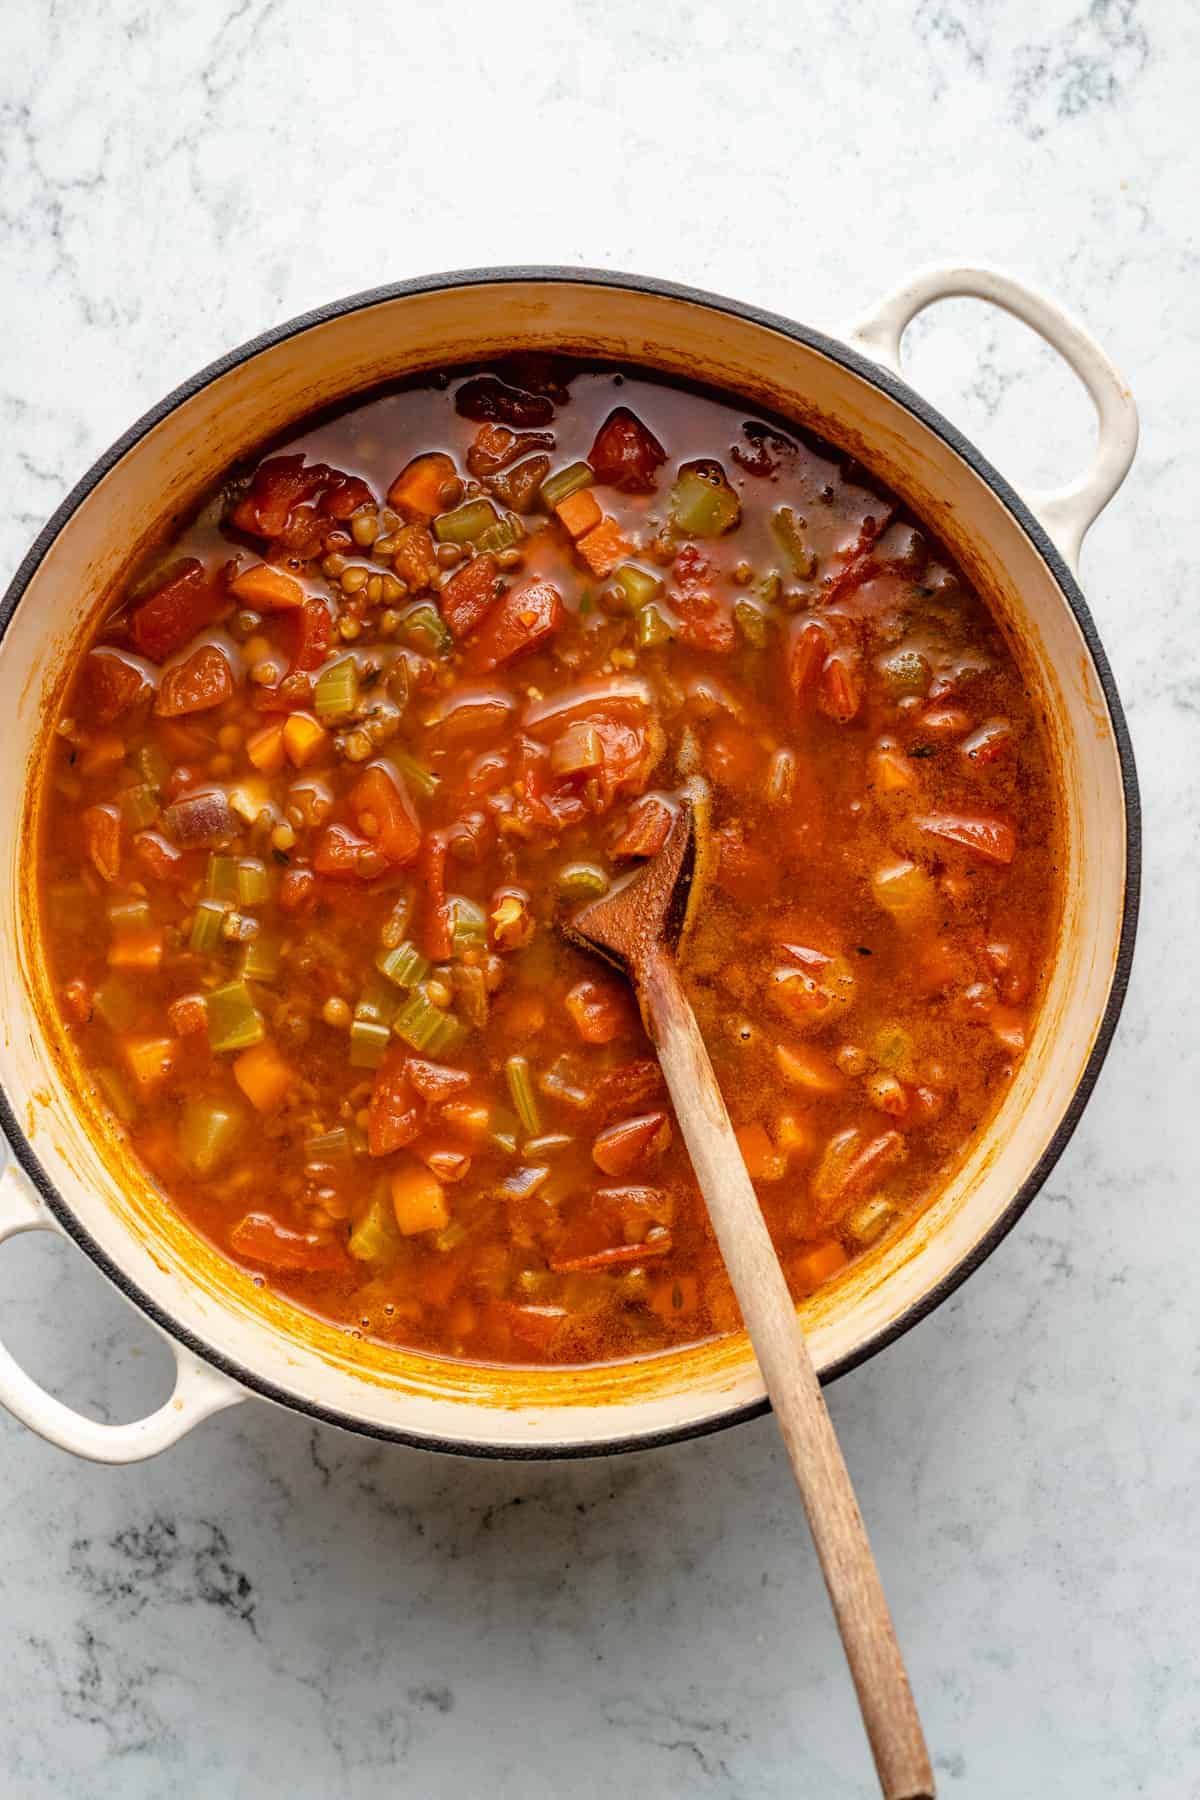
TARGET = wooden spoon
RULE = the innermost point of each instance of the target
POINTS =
(638, 928)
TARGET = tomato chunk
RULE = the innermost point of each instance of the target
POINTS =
(112, 685)
(599, 1009)
(190, 598)
(523, 620)
(395, 1114)
(626, 453)
(631, 1143)
(381, 806)
(992, 839)
(261, 1239)
(469, 592)
(205, 680)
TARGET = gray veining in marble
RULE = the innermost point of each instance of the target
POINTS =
(274, 1608)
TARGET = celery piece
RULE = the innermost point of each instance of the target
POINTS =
(336, 692)
(520, 1086)
(129, 915)
(465, 523)
(152, 766)
(580, 747)
(905, 672)
(375, 1236)
(116, 1003)
(781, 777)
(207, 921)
(405, 966)
(115, 1089)
(792, 532)
(252, 881)
(234, 1022)
(139, 806)
(638, 585)
(525, 1182)
(582, 881)
(502, 1130)
(426, 630)
(71, 906)
(415, 773)
(753, 624)
(376, 1003)
(368, 1043)
(471, 995)
(551, 1144)
(702, 504)
(557, 487)
(261, 957)
(424, 1026)
(468, 923)
(220, 878)
(208, 1131)
(451, 1237)
(501, 536)
(328, 1146)
(654, 627)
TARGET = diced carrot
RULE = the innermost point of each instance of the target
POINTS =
(418, 1201)
(384, 812)
(267, 589)
(150, 1060)
(140, 949)
(187, 1015)
(415, 557)
(891, 772)
(604, 547)
(579, 512)
(763, 1161)
(112, 684)
(599, 1010)
(631, 1143)
(104, 751)
(675, 1297)
(809, 1068)
(304, 738)
(101, 826)
(425, 486)
(263, 1075)
(205, 680)
(813, 1267)
(265, 748)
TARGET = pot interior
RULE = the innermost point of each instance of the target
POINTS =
(162, 473)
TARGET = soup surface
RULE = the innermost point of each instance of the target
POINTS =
(423, 680)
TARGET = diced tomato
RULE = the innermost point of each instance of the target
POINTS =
(311, 629)
(944, 721)
(380, 803)
(599, 1009)
(344, 495)
(732, 755)
(281, 490)
(841, 687)
(524, 619)
(631, 1143)
(617, 1256)
(112, 685)
(158, 857)
(190, 598)
(434, 1081)
(395, 1114)
(806, 658)
(533, 1326)
(746, 873)
(205, 680)
(102, 839)
(496, 446)
(626, 453)
(338, 852)
(992, 839)
(437, 941)
(647, 827)
(297, 891)
(293, 694)
(261, 1239)
(705, 621)
(630, 1084)
(992, 740)
(469, 592)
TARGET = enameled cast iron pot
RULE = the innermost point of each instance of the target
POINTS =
(229, 1339)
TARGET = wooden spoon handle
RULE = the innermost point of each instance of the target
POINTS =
(859, 1604)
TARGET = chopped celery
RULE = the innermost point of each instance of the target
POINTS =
(753, 623)
(139, 806)
(253, 882)
(261, 957)
(116, 1092)
(638, 585)
(870, 1220)
(792, 532)
(781, 778)
(71, 906)
(375, 1236)
(208, 1131)
(451, 1237)
(552, 1144)
(468, 923)
(116, 1003)
(502, 535)
(234, 1022)
(905, 671)
(129, 915)
(328, 1146)
(582, 881)
(376, 1003)
(424, 1026)
(465, 522)
(368, 1043)
(502, 1132)
(523, 1183)
(471, 994)
(336, 692)
(405, 966)
(520, 1086)
(702, 504)
(207, 921)
(580, 747)
(220, 879)
(654, 627)
(557, 487)
(426, 630)
(151, 765)
(415, 773)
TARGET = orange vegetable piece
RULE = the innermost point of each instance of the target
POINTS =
(809, 648)
(265, 748)
(205, 680)
(993, 840)
(101, 827)
(111, 684)
(303, 738)
(267, 589)
(579, 512)
(631, 1143)
(841, 688)
(522, 620)
(535, 1327)
(809, 1068)
(814, 1267)
(425, 486)
(469, 592)
(188, 599)
(384, 813)
(618, 1256)
(599, 1010)
(188, 1016)
(140, 949)
(150, 1060)
(102, 752)
(763, 1161)
(415, 557)
(418, 1201)
(395, 1116)
(604, 547)
(263, 1075)
(891, 772)
(260, 1239)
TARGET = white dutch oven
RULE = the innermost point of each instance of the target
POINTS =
(68, 1175)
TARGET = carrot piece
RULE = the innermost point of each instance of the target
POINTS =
(891, 772)
(102, 752)
(268, 589)
(265, 748)
(418, 1201)
(604, 547)
(188, 1016)
(415, 557)
(810, 1069)
(814, 1267)
(141, 949)
(303, 738)
(101, 827)
(763, 1161)
(579, 512)
(425, 486)
(205, 680)
(263, 1075)
(150, 1060)
(384, 813)
(598, 1009)
(631, 1143)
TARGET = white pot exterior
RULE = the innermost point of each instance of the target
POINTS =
(237, 1341)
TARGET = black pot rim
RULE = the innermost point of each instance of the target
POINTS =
(912, 402)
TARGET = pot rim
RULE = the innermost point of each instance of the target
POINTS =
(912, 402)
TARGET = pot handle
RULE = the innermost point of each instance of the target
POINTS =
(1065, 512)
(199, 1390)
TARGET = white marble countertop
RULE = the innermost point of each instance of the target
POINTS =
(273, 1608)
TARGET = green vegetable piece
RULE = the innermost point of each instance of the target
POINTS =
(654, 627)
(252, 881)
(336, 692)
(415, 773)
(465, 523)
(375, 1237)
(129, 915)
(261, 957)
(116, 1003)
(139, 806)
(520, 1086)
(425, 628)
(905, 672)
(208, 1133)
(116, 1091)
(234, 1022)
(71, 906)
(502, 536)
(502, 1131)
(582, 881)
(637, 585)
(702, 504)
(753, 624)
(152, 766)
(377, 1002)
(468, 923)
(405, 966)
(555, 489)
(424, 1026)
(207, 921)
(220, 878)
(792, 532)
(368, 1043)
(451, 1237)
(328, 1146)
